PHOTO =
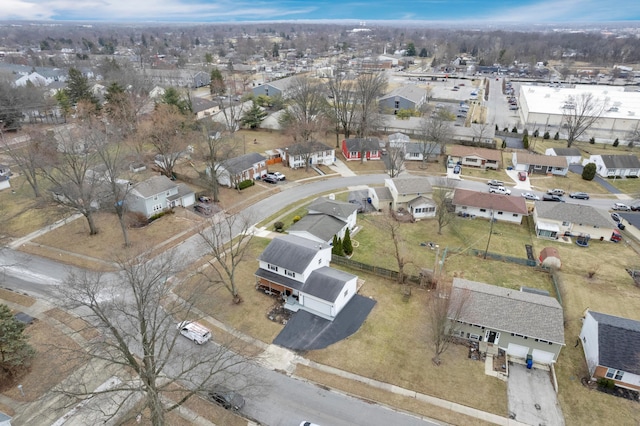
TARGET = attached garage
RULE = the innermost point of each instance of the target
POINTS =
(542, 357)
(517, 351)
(318, 305)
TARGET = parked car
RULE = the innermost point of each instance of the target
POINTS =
(198, 333)
(621, 226)
(550, 197)
(522, 176)
(204, 209)
(269, 179)
(457, 169)
(276, 175)
(621, 206)
(229, 399)
(305, 423)
(555, 191)
(615, 217)
(579, 195)
(204, 199)
(530, 196)
(500, 190)
(494, 182)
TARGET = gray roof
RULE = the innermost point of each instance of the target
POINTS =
(398, 137)
(326, 283)
(383, 193)
(282, 84)
(412, 185)
(309, 147)
(154, 185)
(411, 92)
(510, 311)
(575, 213)
(200, 104)
(337, 209)
(291, 252)
(429, 148)
(621, 161)
(618, 342)
(363, 144)
(567, 152)
(244, 162)
(319, 225)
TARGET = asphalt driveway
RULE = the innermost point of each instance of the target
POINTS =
(576, 168)
(532, 399)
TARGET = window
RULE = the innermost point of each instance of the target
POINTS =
(471, 160)
(499, 213)
(565, 223)
(272, 267)
(353, 154)
(397, 104)
(290, 273)
(157, 207)
(346, 292)
(463, 207)
(537, 167)
(483, 210)
(614, 374)
(515, 215)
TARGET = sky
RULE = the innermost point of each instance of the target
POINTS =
(368, 11)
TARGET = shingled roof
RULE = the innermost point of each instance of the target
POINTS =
(574, 213)
(621, 161)
(363, 144)
(153, 186)
(486, 153)
(326, 283)
(244, 162)
(485, 200)
(412, 185)
(541, 160)
(337, 209)
(618, 342)
(511, 311)
(291, 252)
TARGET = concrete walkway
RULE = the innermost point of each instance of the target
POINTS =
(339, 167)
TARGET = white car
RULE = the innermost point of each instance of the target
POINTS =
(530, 196)
(276, 175)
(500, 190)
(198, 333)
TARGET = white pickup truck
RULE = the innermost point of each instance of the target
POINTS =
(500, 190)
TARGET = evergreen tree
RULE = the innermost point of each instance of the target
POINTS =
(171, 96)
(546, 135)
(411, 49)
(556, 136)
(616, 143)
(254, 116)
(15, 351)
(514, 130)
(78, 88)
(217, 86)
(337, 246)
(525, 141)
(589, 171)
(347, 247)
(423, 53)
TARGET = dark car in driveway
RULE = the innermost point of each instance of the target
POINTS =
(549, 197)
(579, 195)
(270, 179)
(229, 399)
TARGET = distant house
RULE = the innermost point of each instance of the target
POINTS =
(298, 268)
(518, 322)
(274, 88)
(326, 218)
(245, 167)
(611, 347)
(409, 97)
(417, 151)
(540, 164)
(313, 152)
(5, 172)
(486, 205)
(572, 155)
(398, 139)
(203, 108)
(473, 156)
(615, 165)
(177, 77)
(359, 148)
(413, 195)
(157, 194)
(553, 220)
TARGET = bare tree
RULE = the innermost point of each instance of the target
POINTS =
(342, 105)
(579, 114)
(392, 228)
(433, 134)
(218, 148)
(442, 195)
(396, 158)
(304, 117)
(135, 313)
(168, 135)
(227, 251)
(446, 307)
(369, 87)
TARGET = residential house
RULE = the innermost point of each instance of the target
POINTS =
(274, 88)
(611, 347)
(325, 218)
(473, 156)
(539, 164)
(380, 197)
(476, 134)
(5, 173)
(521, 323)
(359, 148)
(34, 79)
(410, 97)
(486, 205)
(415, 151)
(615, 165)
(572, 155)
(412, 194)
(157, 194)
(177, 77)
(298, 268)
(249, 166)
(311, 152)
(398, 139)
(553, 220)
(203, 108)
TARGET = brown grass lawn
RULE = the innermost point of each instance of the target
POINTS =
(15, 297)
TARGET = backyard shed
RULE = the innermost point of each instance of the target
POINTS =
(550, 258)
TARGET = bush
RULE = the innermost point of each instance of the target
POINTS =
(506, 129)
(556, 136)
(592, 140)
(616, 143)
(504, 144)
(245, 184)
(536, 133)
(347, 247)
(630, 145)
(160, 214)
(606, 383)
(525, 132)
(546, 135)
(278, 226)
(497, 130)
(514, 130)
(296, 218)
(589, 171)
(525, 141)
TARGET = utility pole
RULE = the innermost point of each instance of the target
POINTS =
(490, 233)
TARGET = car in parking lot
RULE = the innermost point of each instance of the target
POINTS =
(621, 206)
(499, 190)
(229, 399)
(495, 182)
(551, 197)
(530, 196)
(579, 195)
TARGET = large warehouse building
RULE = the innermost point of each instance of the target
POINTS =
(541, 107)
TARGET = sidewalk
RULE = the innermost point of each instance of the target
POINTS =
(339, 167)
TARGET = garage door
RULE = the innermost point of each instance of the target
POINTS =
(316, 305)
(542, 357)
(517, 351)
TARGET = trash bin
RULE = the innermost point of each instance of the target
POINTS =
(529, 362)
